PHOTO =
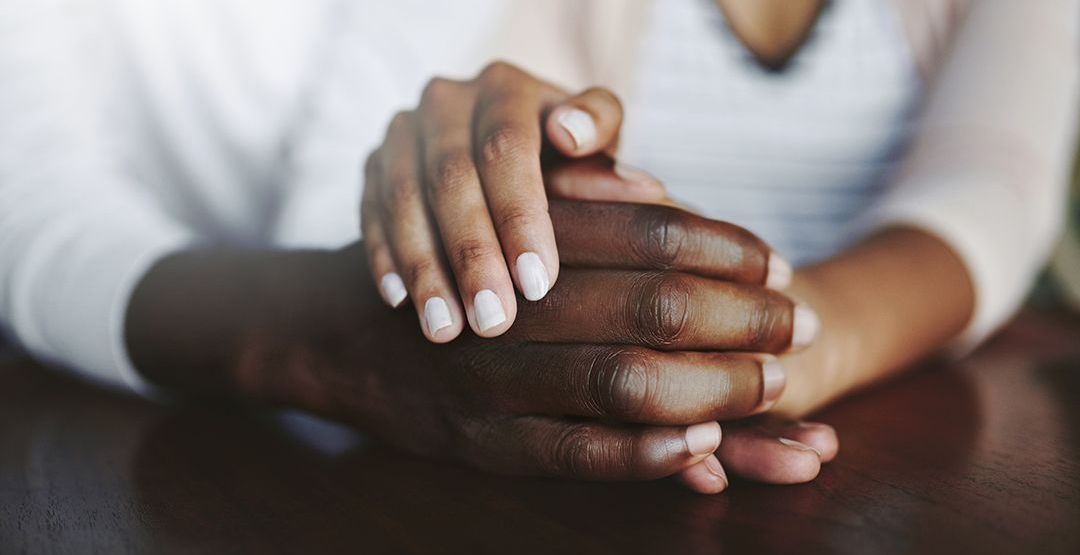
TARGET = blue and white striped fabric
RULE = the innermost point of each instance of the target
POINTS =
(796, 156)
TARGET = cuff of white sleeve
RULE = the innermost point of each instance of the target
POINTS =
(987, 238)
(123, 372)
(74, 316)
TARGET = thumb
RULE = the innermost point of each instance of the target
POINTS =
(586, 123)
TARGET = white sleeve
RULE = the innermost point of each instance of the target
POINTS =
(76, 230)
(375, 62)
(988, 170)
(357, 85)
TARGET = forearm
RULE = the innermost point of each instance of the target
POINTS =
(240, 323)
(889, 301)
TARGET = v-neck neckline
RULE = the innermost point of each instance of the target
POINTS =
(781, 63)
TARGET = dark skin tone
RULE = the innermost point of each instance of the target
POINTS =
(882, 304)
(291, 329)
(611, 399)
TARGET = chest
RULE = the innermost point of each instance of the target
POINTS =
(809, 146)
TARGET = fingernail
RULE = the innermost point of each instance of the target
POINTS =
(635, 175)
(779, 275)
(533, 276)
(702, 439)
(580, 126)
(488, 309)
(716, 469)
(437, 315)
(392, 289)
(773, 378)
(798, 445)
(805, 327)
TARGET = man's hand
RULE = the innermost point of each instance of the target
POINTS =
(606, 378)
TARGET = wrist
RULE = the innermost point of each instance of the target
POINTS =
(823, 371)
(311, 314)
(240, 323)
(883, 304)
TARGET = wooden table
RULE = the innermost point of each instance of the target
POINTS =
(981, 456)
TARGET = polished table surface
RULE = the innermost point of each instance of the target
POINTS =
(979, 456)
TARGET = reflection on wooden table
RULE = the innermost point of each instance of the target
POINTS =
(979, 456)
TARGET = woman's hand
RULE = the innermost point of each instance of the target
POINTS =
(455, 210)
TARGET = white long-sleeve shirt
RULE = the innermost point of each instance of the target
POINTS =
(130, 129)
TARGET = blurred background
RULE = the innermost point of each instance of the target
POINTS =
(1059, 284)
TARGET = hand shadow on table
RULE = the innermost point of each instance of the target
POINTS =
(237, 480)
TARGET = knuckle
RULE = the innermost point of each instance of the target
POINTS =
(504, 141)
(578, 451)
(662, 235)
(450, 172)
(661, 308)
(622, 383)
(764, 323)
(420, 271)
(402, 190)
(473, 252)
(498, 71)
(518, 217)
(437, 91)
(400, 123)
(571, 451)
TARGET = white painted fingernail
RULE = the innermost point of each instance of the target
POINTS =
(533, 276)
(773, 380)
(702, 439)
(392, 289)
(488, 309)
(804, 329)
(437, 315)
(798, 445)
(779, 272)
(580, 126)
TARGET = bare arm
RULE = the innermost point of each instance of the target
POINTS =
(893, 299)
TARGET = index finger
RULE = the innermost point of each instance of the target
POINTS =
(654, 237)
(507, 147)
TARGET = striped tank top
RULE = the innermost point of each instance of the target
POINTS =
(796, 156)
